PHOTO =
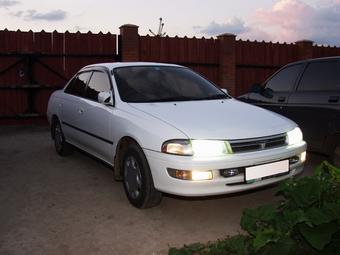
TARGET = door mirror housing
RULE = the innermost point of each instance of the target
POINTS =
(105, 98)
(225, 90)
(267, 92)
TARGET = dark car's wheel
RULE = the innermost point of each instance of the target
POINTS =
(60, 144)
(336, 156)
(137, 179)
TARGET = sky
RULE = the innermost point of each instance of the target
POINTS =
(262, 20)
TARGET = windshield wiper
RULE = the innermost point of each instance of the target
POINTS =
(182, 98)
(168, 99)
(213, 97)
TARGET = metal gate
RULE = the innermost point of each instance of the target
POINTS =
(31, 69)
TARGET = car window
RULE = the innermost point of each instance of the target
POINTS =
(78, 84)
(163, 84)
(284, 80)
(99, 82)
(321, 76)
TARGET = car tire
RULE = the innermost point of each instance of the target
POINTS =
(61, 146)
(137, 179)
(336, 156)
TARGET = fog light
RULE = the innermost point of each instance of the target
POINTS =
(229, 172)
(294, 160)
(190, 175)
(303, 156)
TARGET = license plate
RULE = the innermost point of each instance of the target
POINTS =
(258, 172)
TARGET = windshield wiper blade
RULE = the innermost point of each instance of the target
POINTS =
(183, 98)
(214, 97)
(168, 99)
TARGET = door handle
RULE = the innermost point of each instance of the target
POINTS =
(281, 99)
(333, 99)
(81, 111)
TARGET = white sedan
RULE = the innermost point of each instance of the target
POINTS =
(164, 128)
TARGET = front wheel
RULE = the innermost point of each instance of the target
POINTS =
(137, 179)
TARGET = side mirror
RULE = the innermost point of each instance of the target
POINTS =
(267, 92)
(225, 90)
(104, 97)
(256, 88)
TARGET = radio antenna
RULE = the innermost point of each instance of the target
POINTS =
(160, 29)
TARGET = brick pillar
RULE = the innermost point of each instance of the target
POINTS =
(129, 45)
(305, 49)
(227, 65)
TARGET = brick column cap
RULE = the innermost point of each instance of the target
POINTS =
(304, 41)
(128, 25)
(226, 35)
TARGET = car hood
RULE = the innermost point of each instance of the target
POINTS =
(218, 119)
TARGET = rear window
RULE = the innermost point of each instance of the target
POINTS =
(321, 76)
(78, 85)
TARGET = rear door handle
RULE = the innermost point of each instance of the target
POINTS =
(333, 99)
(281, 99)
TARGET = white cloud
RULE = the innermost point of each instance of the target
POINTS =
(235, 26)
(8, 3)
(54, 15)
(287, 21)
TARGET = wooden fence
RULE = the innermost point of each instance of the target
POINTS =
(33, 64)
(202, 55)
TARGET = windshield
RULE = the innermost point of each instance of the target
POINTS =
(141, 84)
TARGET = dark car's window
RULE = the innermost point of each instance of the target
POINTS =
(78, 84)
(163, 84)
(284, 80)
(321, 76)
(99, 82)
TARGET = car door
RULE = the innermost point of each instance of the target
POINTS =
(277, 89)
(69, 109)
(315, 105)
(96, 117)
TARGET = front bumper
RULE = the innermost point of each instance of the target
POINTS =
(160, 162)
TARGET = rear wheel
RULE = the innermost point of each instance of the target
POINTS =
(137, 179)
(336, 156)
(60, 144)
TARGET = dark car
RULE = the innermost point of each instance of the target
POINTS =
(307, 92)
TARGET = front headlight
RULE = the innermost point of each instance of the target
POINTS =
(210, 148)
(294, 136)
(197, 148)
(178, 147)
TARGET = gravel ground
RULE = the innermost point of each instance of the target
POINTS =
(53, 205)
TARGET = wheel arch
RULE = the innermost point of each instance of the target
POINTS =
(120, 150)
(331, 142)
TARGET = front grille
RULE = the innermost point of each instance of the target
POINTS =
(255, 144)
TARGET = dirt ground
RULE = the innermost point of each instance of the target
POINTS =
(53, 205)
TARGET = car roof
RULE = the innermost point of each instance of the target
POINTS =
(315, 60)
(114, 65)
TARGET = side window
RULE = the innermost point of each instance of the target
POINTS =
(99, 82)
(321, 76)
(284, 80)
(78, 84)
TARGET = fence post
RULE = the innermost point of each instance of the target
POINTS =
(129, 44)
(227, 62)
(305, 49)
